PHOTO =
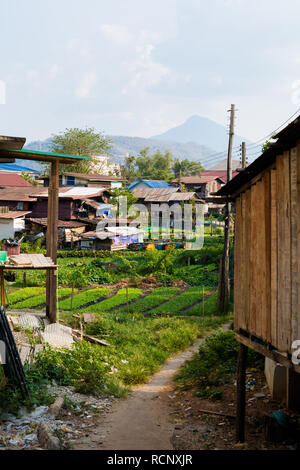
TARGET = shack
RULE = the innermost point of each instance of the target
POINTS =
(266, 261)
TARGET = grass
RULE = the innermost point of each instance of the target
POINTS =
(119, 299)
(23, 294)
(210, 306)
(83, 298)
(184, 300)
(34, 302)
(214, 365)
(158, 295)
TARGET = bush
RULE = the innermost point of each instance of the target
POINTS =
(215, 364)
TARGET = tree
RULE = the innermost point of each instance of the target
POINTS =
(186, 168)
(28, 177)
(83, 142)
(128, 171)
(117, 192)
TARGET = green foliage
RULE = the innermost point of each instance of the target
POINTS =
(186, 168)
(28, 177)
(115, 193)
(84, 298)
(84, 142)
(38, 300)
(157, 296)
(180, 302)
(23, 294)
(119, 299)
(214, 365)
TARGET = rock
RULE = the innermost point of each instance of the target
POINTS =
(55, 408)
(46, 438)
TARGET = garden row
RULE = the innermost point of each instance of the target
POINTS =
(160, 301)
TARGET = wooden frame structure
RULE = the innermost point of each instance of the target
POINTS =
(12, 148)
(267, 258)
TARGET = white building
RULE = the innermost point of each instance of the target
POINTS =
(11, 223)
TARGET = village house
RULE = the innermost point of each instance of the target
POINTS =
(12, 223)
(13, 180)
(70, 201)
(87, 180)
(148, 184)
(266, 265)
(69, 231)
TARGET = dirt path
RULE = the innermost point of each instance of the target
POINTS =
(142, 420)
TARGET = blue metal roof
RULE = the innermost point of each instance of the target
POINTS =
(15, 167)
(150, 183)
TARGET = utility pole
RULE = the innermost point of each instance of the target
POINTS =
(244, 161)
(223, 294)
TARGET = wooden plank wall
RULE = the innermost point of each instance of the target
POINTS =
(267, 258)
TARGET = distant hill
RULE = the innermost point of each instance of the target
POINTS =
(123, 145)
(202, 131)
(196, 139)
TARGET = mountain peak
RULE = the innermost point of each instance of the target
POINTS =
(202, 131)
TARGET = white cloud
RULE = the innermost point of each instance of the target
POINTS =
(117, 33)
(86, 85)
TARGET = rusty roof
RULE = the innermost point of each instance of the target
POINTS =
(14, 214)
(155, 193)
(60, 223)
(19, 194)
(12, 179)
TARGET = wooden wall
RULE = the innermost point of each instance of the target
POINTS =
(267, 300)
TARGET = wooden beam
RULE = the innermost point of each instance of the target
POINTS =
(273, 354)
(52, 239)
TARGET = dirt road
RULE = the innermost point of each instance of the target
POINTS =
(142, 420)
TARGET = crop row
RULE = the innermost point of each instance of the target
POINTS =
(34, 302)
(180, 302)
(84, 298)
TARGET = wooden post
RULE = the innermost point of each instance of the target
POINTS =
(223, 291)
(203, 300)
(244, 161)
(72, 295)
(24, 279)
(52, 239)
(127, 299)
(241, 393)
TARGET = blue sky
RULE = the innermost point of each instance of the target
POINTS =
(138, 68)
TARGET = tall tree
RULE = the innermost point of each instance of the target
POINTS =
(84, 142)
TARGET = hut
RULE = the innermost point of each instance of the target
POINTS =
(266, 261)
(11, 148)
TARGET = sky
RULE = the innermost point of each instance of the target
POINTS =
(140, 67)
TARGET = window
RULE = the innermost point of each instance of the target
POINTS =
(20, 206)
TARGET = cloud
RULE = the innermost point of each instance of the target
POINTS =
(54, 71)
(117, 33)
(86, 85)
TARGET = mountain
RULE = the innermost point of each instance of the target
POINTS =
(202, 131)
(123, 145)
(196, 139)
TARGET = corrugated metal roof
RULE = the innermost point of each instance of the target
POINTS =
(60, 223)
(19, 194)
(14, 168)
(11, 179)
(94, 176)
(182, 196)
(150, 183)
(14, 214)
(142, 193)
(74, 193)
